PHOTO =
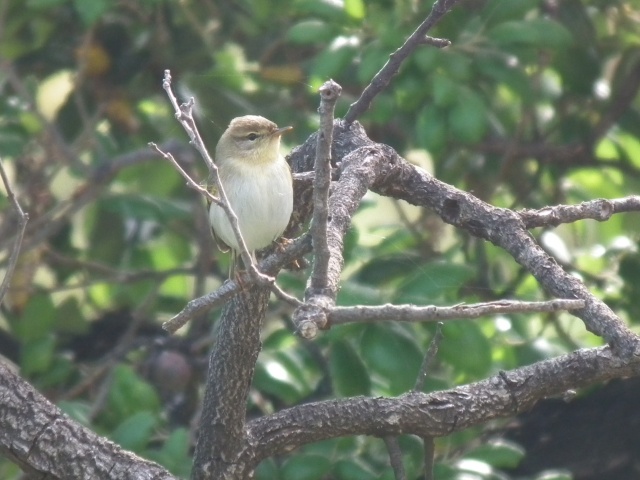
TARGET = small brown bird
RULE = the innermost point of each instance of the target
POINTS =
(257, 181)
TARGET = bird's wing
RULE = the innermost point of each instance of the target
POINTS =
(223, 247)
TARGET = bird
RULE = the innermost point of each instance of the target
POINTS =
(258, 184)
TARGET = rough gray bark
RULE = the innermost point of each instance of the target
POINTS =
(436, 414)
(234, 354)
(46, 443)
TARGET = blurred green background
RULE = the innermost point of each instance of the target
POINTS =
(534, 104)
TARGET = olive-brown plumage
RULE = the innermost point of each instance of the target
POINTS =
(257, 181)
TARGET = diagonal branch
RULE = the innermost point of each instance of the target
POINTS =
(45, 442)
(388, 71)
(23, 218)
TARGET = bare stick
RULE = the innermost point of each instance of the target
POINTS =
(190, 181)
(355, 180)
(429, 454)
(412, 313)
(184, 115)
(23, 218)
(395, 457)
(600, 210)
(329, 93)
(388, 71)
(432, 351)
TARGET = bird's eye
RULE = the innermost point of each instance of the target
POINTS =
(252, 136)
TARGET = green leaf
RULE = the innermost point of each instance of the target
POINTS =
(435, 281)
(307, 467)
(431, 130)
(147, 207)
(332, 61)
(135, 432)
(554, 475)
(80, 411)
(352, 469)
(468, 118)
(466, 348)
(381, 270)
(355, 9)
(37, 320)
(309, 32)
(445, 91)
(174, 453)
(37, 356)
(540, 32)
(348, 373)
(272, 377)
(91, 11)
(393, 355)
(498, 453)
(129, 394)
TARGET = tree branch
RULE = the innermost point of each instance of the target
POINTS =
(45, 442)
(329, 93)
(358, 174)
(435, 414)
(23, 218)
(432, 313)
(389, 70)
(233, 357)
(600, 210)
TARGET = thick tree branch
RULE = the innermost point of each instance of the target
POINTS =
(436, 414)
(233, 357)
(358, 174)
(45, 442)
(392, 176)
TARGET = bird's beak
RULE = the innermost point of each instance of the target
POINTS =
(281, 131)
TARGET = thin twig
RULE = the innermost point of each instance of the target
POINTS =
(184, 115)
(431, 313)
(329, 93)
(190, 181)
(600, 210)
(284, 296)
(429, 456)
(388, 71)
(23, 218)
(432, 351)
(395, 457)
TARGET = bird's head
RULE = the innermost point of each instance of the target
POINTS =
(250, 138)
